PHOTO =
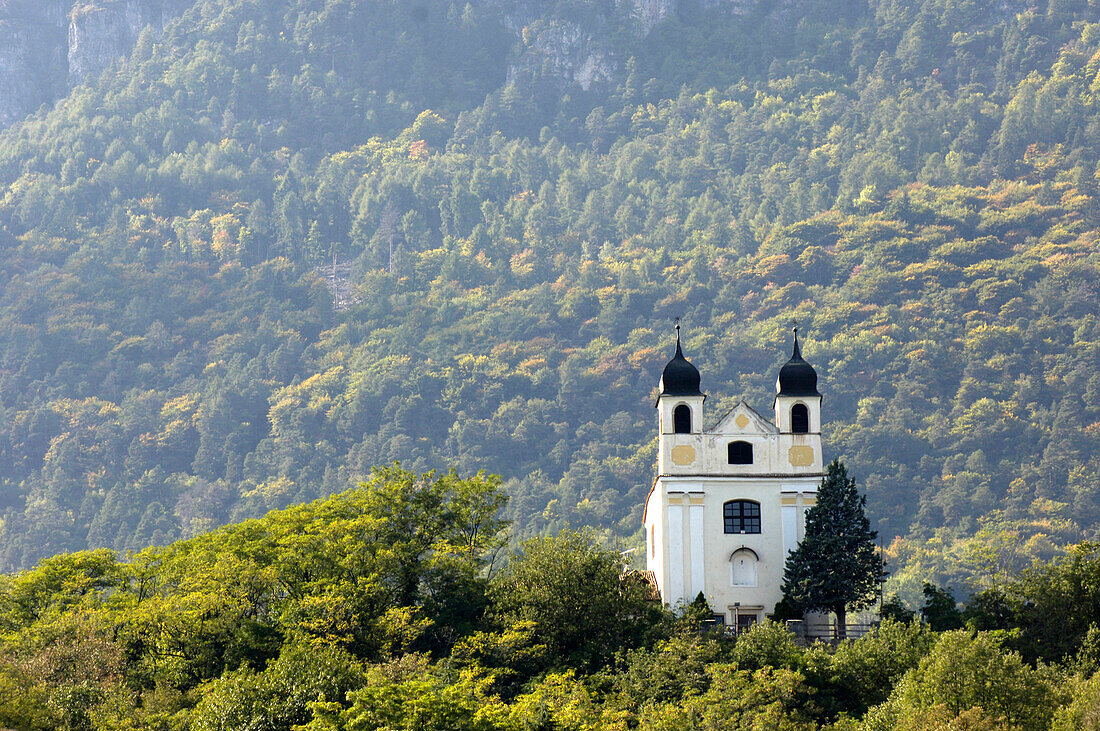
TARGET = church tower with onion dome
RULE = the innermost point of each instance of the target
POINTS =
(729, 501)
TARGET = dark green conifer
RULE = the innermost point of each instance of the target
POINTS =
(835, 566)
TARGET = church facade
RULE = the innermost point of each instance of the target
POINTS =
(729, 502)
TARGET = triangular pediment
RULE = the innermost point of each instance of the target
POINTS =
(743, 419)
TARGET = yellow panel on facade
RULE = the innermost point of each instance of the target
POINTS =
(801, 456)
(683, 455)
(742, 421)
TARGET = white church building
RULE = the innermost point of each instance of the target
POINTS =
(729, 501)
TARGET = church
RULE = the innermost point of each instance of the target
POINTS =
(729, 502)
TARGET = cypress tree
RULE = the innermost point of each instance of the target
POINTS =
(835, 566)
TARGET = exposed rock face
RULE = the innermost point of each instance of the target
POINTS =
(651, 12)
(101, 32)
(48, 46)
(32, 58)
(564, 50)
(561, 48)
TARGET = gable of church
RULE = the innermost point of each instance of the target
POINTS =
(744, 420)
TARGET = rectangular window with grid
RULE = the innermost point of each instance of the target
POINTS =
(742, 516)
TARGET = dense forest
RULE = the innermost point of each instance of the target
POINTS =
(283, 242)
(390, 606)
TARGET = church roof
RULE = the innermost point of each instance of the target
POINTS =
(680, 377)
(796, 377)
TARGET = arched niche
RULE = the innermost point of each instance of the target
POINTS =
(743, 567)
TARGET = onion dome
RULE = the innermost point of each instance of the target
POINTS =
(680, 378)
(796, 377)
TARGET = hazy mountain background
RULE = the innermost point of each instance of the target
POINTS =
(519, 197)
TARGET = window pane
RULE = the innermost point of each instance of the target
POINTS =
(800, 419)
(739, 453)
(741, 516)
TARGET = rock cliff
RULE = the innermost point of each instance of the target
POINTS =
(33, 64)
(101, 32)
(563, 50)
(577, 52)
(650, 13)
(49, 46)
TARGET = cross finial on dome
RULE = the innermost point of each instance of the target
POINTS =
(797, 377)
(680, 377)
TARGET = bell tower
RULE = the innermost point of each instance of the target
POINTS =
(679, 404)
(797, 402)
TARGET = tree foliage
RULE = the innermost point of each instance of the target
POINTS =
(970, 676)
(179, 352)
(580, 603)
(302, 619)
(287, 241)
(836, 565)
(507, 246)
(1057, 604)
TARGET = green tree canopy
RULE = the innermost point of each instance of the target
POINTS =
(583, 605)
(1056, 603)
(835, 566)
(972, 677)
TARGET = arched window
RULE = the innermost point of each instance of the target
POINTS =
(800, 419)
(743, 567)
(742, 516)
(740, 453)
(681, 419)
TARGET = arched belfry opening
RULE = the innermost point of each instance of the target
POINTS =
(681, 419)
(800, 419)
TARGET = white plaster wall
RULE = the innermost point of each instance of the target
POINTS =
(657, 550)
(667, 404)
(694, 482)
(783, 406)
(676, 569)
(697, 536)
(790, 528)
(771, 454)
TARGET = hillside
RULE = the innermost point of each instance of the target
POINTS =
(520, 204)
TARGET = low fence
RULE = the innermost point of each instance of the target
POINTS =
(827, 631)
(806, 632)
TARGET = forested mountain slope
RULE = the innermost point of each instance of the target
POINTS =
(520, 205)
